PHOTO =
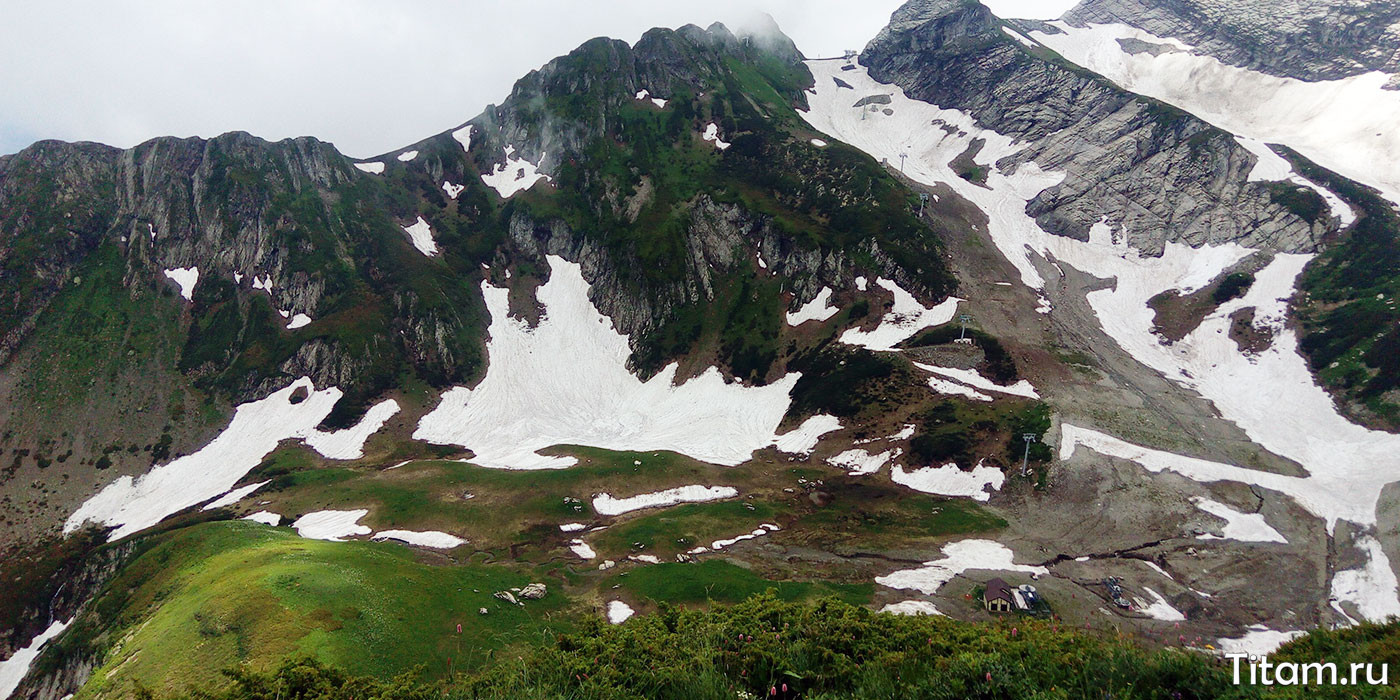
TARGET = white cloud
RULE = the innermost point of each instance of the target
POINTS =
(340, 70)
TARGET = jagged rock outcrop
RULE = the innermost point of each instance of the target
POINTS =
(1154, 171)
(1323, 40)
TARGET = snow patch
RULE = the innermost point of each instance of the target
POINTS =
(818, 309)
(349, 443)
(580, 548)
(906, 318)
(264, 517)
(572, 527)
(717, 545)
(185, 278)
(464, 137)
(407, 156)
(1020, 38)
(618, 612)
(371, 168)
(234, 496)
(333, 525)
(960, 556)
(712, 135)
(949, 480)
(257, 427)
(1259, 640)
(944, 386)
(452, 190)
(1159, 608)
(911, 607)
(14, 669)
(857, 461)
(1371, 588)
(803, 439)
(515, 175)
(566, 382)
(973, 379)
(1245, 527)
(298, 320)
(426, 538)
(819, 143)
(422, 237)
(605, 504)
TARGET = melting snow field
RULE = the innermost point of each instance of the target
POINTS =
(14, 669)
(949, 480)
(818, 309)
(371, 168)
(1270, 394)
(332, 525)
(422, 237)
(185, 278)
(515, 175)
(256, 429)
(906, 318)
(1347, 125)
(960, 556)
(427, 538)
(566, 382)
(1245, 527)
(605, 504)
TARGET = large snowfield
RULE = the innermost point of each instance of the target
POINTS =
(566, 382)
(1270, 395)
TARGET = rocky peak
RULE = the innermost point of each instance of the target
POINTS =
(1312, 40)
(1154, 171)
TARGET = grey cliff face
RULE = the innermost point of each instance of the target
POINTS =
(1156, 172)
(1307, 40)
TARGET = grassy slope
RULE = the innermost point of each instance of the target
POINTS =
(764, 647)
(222, 594)
(1350, 306)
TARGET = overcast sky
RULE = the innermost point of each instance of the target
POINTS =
(368, 75)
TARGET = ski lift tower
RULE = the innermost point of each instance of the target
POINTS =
(963, 319)
(1026, 458)
(923, 199)
(902, 156)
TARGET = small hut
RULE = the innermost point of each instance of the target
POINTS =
(997, 597)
